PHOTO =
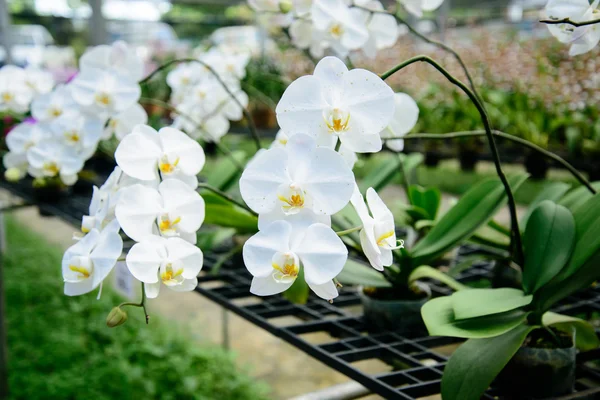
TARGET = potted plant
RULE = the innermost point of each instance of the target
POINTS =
(513, 338)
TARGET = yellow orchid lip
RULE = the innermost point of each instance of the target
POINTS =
(381, 239)
(84, 272)
(166, 167)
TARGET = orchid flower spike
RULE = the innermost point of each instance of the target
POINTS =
(145, 153)
(354, 106)
(174, 209)
(276, 253)
(378, 235)
(172, 262)
(89, 261)
(300, 175)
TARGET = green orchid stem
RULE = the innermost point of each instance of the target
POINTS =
(569, 22)
(251, 126)
(512, 138)
(225, 196)
(516, 243)
(141, 304)
(432, 42)
(349, 231)
(222, 148)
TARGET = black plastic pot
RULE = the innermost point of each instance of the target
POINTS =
(538, 373)
(400, 316)
(432, 159)
(468, 159)
(49, 195)
(537, 165)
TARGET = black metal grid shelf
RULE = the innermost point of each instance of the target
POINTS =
(414, 365)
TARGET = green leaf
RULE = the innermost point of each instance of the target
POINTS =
(426, 199)
(474, 303)
(299, 291)
(380, 175)
(577, 197)
(549, 240)
(411, 161)
(476, 363)
(224, 173)
(553, 192)
(472, 210)
(438, 315)
(355, 273)
(585, 335)
(425, 271)
(230, 216)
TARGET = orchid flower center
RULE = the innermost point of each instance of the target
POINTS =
(293, 199)
(103, 99)
(167, 166)
(82, 268)
(286, 267)
(337, 120)
(113, 123)
(170, 274)
(7, 97)
(382, 240)
(185, 80)
(167, 225)
(51, 168)
(54, 112)
(336, 30)
(72, 137)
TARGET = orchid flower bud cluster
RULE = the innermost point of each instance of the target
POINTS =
(342, 26)
(69, 121)
(306, 177)
(151, 196)
(202, 93)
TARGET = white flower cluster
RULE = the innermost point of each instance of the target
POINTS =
(299, 183)
(340, 25)
(151, 196)
(582, 39)
(69, 121)
(202, 93)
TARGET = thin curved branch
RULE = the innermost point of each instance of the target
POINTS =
(220, 193)
(251, 126)
(569, 22)
(511, 138)
(516, 242)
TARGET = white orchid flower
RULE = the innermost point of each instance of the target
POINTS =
(274, 257)
(281, 139)
(16, 166)
(382, 27)
(172, 262)
(123, 123)
(583, 38)
(418, 7)
(354, 106)
(301, 175)
(174, 209)
(378, 234)
(229, 65)
(15, 94)
(26, 135)
(184, 76)
(118, 57)
(210, 129)
(50, 158)
(404, 120)
(38, 80)
(234, 110)
(54, 104)
(89, 261)
(79, 131)
(98, 211)
(344, 27)
(145, 153)
(104, 92)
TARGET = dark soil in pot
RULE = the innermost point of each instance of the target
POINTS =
(543, 367)
(503, 275)
(384, 309)
(537, 165)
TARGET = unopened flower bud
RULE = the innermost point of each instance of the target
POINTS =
(285, 6)
(12, 174)
(116, 317)
(39, 183)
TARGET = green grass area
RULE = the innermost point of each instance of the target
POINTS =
(60, 347)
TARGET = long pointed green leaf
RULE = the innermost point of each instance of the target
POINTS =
(355, 273)
(476, 363)
(577, 197)
(553, 192)
(585, 335)
(474, 303)
(229, 216)
(425, 271)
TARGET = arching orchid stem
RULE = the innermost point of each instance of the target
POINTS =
(569, 22)
(224, 149)
(251, 126)
(349, 231)
(516, 243)
(424, 38)
(578, 175)
(141, 304)
(220, 193)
